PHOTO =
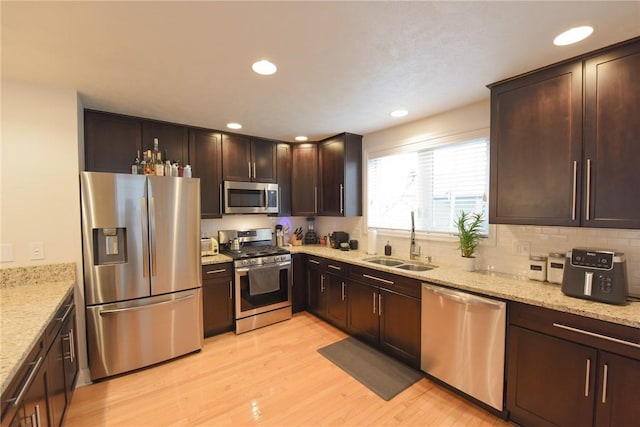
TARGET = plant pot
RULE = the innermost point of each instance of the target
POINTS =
(468, 263)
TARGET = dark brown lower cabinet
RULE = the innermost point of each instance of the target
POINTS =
(566, 370)
(316, 301)
(299, 290)
(363, 312)
(217, 298)
(336, 295)
(400, 326)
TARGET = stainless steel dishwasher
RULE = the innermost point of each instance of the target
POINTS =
(463, 342)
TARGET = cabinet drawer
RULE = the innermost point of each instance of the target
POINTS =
(620, 339)
(58, 319)
(214, 271)
(390, 281)
(316, 262)
(336, 267)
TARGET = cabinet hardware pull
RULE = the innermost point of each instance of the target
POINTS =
(313, 261)
(335, 267)
(34, 370)
(249, 165)
(388, 282)
(588, 205)
(230, 289)
(221, 270)
(141, 307)
(341, 198)
(380, 304)
(38, 415)
(605, 377)
(34, 420)
(593, 334)
(586, 378)
(343, 292)
(66, 313)
(322, 283)
(374, 303)
(575, 188)
(72, 345)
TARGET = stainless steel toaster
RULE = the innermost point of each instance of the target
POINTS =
(593, 274)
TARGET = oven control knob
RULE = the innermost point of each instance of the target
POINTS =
(253, 260)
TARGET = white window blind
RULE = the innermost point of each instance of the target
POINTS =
(436, 183)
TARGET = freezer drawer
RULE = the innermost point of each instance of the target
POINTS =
(463, 342)
(133, 334)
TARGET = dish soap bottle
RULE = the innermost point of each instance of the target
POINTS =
(387, 249)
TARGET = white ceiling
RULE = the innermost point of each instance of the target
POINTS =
(342, 66)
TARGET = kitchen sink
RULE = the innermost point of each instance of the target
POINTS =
(384, 261)
(415, 267)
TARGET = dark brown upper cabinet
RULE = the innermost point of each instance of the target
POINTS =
(340, 175)
(112, 141)
(283, 178)
(304, 179)
(247, 158)
(205, 157)
(173, 140)
(564, 147)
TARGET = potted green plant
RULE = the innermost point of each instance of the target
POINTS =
(468, 225)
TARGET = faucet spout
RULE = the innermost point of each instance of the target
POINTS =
(414, 250)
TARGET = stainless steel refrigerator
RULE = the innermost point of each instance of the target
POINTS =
(142, 269)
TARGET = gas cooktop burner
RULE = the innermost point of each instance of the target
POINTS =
(255, 251)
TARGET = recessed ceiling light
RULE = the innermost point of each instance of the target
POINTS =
(573, 35)
(264, 67)
(301, 138)
(234, 125)
(399, 113)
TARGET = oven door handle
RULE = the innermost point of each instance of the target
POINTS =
(245, 269)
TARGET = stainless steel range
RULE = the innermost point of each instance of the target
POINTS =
(262, 279)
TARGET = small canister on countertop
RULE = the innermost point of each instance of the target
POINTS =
(538, 268)
(555, 267)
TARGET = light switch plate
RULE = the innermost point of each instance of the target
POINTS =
(521, 248)
(6, 252)
(36, 250)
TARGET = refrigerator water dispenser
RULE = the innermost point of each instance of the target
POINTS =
(109, 245)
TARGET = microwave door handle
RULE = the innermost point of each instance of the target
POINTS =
(266, 198)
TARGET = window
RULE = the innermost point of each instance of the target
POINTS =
(435, 182)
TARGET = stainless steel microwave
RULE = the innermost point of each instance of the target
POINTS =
(250, 197)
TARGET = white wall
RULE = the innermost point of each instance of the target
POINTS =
(39, 189)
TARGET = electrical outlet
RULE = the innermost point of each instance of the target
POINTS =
(521, 248)
(36, 250)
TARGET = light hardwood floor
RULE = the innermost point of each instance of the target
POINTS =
(270, 377)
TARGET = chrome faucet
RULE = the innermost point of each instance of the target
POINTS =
(414, 250)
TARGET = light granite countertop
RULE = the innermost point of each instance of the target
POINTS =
(29, 299)
(497, 285)
(216, 259)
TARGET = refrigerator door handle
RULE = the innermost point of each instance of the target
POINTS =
(152, 233)
(141, 307)
(145, 238)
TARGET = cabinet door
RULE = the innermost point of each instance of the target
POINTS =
(70, 354)
(56, 391)
(36, 406)
(173, 140)
(217, 298)
(551, 382)
(299, 291)
(617, 391)
(236, 158)
(205, 157)
(362, 308)
(611, 140)
(400, 326)
(304, 180)
(316, 301)
(283, 173)
(336, 290)
(536, 143)
(331, 177)
(112, 142)
(263, 160)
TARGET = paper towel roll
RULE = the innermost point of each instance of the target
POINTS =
(373, 237)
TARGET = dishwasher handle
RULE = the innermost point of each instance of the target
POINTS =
(462, 297)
